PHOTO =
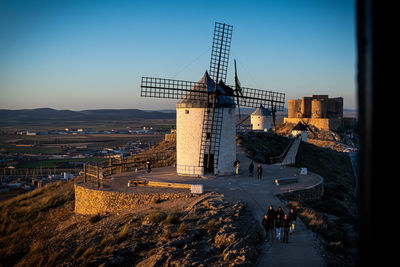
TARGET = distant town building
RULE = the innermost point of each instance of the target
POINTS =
(31, 133)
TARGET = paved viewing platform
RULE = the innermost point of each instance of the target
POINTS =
(223, 184)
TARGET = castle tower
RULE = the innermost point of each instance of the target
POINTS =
(261, 119)
(191, 139)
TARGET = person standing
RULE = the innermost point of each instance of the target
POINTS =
(286, 227)
(280, 212)
(236, 165)
(271, 218)
(251, 167)
(259, 171)
(266, 224)
(148, 166)
(278, 226)
(292, 218)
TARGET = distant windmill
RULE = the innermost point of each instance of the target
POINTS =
(205, 114)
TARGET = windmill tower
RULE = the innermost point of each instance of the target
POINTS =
(205, 112)
(195, 146)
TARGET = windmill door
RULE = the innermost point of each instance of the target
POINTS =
(210, 168)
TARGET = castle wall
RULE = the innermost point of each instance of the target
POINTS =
(306, 107)
(323, 123)
(294, 108)
(316, 106)
(335, 107)
(319, 108)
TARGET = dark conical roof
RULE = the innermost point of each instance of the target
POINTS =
(300, 127)
(197, 99)
(261, 111)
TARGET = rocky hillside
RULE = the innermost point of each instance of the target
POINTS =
(40, 228)
(337, 140)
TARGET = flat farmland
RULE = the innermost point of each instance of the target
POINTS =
(53, 144)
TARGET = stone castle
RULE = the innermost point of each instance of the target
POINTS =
(318, 110)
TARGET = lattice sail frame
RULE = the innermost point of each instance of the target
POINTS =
(178, 89)
(221, 46)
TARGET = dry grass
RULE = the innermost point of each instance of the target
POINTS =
(95, 218)
(157, 217)
(123, 234)
(21, 217)
(59, 237)
(211, 226)
(171, 219)
(182, 228)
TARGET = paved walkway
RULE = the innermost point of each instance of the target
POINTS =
(258, 195)
(290, 158)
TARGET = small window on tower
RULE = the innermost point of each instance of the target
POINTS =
(186, 111)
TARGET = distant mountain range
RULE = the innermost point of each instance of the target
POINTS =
(48, 115)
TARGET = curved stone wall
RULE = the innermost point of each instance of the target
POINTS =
(91, 201)
(311, 193)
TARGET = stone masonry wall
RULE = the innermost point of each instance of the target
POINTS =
(304, 195)
(324, 123)
(93, 201)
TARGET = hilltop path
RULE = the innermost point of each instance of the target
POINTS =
(258, 195)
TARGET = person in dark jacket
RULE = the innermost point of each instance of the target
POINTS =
(280, 212)
(285, 227)
(278, 226)
(251, 167)
(148, 166)
(267, 225)
(292, 218)
(259, 171)
(271, 218)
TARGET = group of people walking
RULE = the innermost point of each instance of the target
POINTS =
(277, 223)
(251, 168)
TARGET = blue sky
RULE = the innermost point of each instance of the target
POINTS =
(92, 54)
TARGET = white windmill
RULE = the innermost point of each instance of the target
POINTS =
(205, 113)
(261, 119)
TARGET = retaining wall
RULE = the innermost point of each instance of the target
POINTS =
(91, 201)
(321, 123)
(311, 193)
